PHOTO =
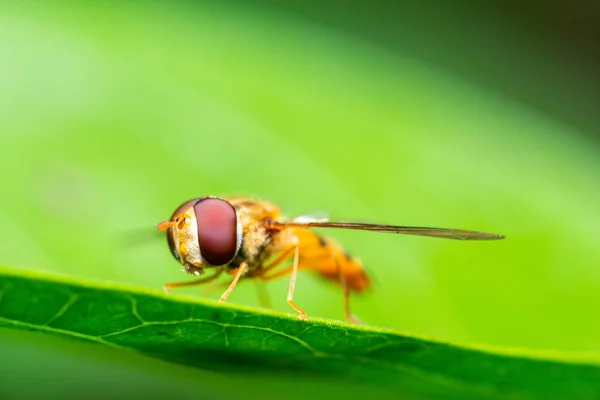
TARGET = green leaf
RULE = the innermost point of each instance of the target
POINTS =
(241, 340)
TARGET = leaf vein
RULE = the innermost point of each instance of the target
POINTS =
(73, 298)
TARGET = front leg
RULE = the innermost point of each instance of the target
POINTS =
(168, 286)
(241, 271)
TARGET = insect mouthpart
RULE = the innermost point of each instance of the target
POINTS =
(191, 269)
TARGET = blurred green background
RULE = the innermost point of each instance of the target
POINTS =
(462, 116)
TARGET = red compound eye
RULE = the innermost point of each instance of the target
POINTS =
(217, 230)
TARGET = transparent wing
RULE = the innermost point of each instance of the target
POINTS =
(312, 217)
(443, 233)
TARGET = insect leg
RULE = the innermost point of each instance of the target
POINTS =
(261, 291)
(346, 290)
(283, 257)
(290, 296)
(211, 288)
(261, 273)
(283, 272)
(168, 286)
(243, 268)
(279, 274)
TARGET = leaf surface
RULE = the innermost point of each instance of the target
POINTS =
(241, 340)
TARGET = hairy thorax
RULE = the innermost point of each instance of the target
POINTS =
(258, 242)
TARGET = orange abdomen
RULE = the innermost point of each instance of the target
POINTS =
(328, 259)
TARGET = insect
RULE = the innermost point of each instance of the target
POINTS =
(248, 238)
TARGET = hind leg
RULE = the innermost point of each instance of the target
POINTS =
(346, 290)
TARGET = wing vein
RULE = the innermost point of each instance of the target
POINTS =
(442, 233)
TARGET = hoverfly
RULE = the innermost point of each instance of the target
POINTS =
(248, 238)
